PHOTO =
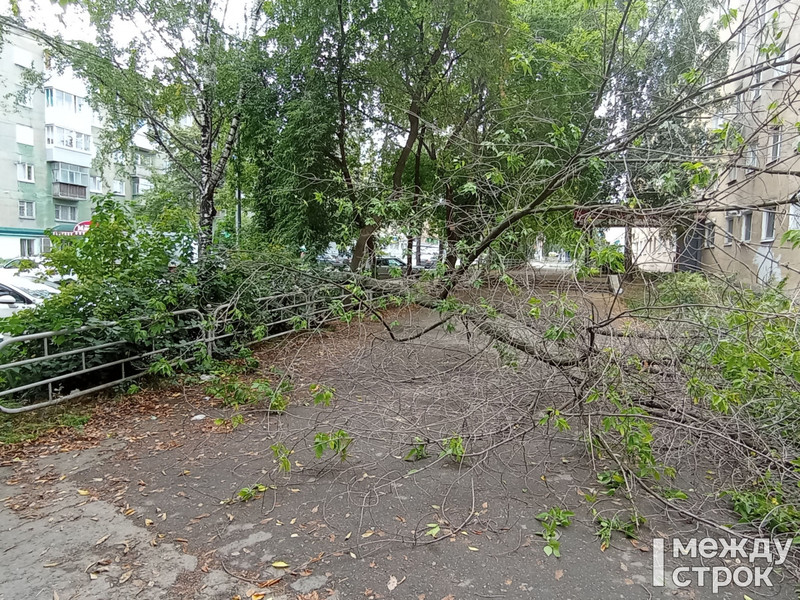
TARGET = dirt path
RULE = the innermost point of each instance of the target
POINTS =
(151, 510)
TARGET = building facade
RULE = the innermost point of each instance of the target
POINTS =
(49, 165)
(756, 200)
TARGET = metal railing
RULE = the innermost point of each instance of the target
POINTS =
(281, 314)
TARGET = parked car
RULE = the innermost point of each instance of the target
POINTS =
(25, 263)
(386, 264)
(333, 261)
(18, 292)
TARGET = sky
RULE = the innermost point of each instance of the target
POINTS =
(72, 23)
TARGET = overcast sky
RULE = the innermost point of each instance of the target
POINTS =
(72, 23)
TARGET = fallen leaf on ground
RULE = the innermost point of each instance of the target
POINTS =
(367, 533)
(279, 564)
(269, 582)
(83, 492)
(198, 517)
(102, 539)
(125, 576)
(559, 574)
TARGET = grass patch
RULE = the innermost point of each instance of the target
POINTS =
(30, 426)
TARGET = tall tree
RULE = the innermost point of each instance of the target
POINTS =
(182, 78)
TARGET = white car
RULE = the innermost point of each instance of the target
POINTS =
(18, 292)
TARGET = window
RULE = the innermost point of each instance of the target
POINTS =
(63, 100)
(27, 247)
(66, 212)
(27, 209)
(757, 84)
(23, 58)
(143, 159)
(708, 234)
(67, 138)
(747, 226)
(25, 135)
(768, 226)
(118, 157)
(83, 142)
(140, 185)
(118, 187)
(775, 138)
(781, 69)
(95, 183)
(742, 41)
(728, 231)
(25, 172)
(733, 173)
(751, 158)
(761, 16)
(794, 215)
(67, 173)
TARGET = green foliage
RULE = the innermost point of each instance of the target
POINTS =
(418, 451)
(551, 521)
(766, 504)
(282, 453)
(235, 421)
(674, 494)
(613, 480)
(251, 493)
(432, 529)
(685, 288)
(234, 392)
(606, 526)
(298, 323)
(610, 258)
(553, 417)
(336, 441)
(27, 427)
(322, 394)
(508, 356)
(454, 448)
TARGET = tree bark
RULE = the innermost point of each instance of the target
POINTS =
(450, 224)
(364, 240)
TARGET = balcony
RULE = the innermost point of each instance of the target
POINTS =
(69, 191)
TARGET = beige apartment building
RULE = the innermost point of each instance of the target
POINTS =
(756, 198)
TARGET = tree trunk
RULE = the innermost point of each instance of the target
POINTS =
(419, 250)
(409, 254)
(364, 237)
(372, 256)
(452, 234)
(206, 216)
(628, 253)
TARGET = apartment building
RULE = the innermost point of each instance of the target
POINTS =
(49, 165)
(756, 198)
